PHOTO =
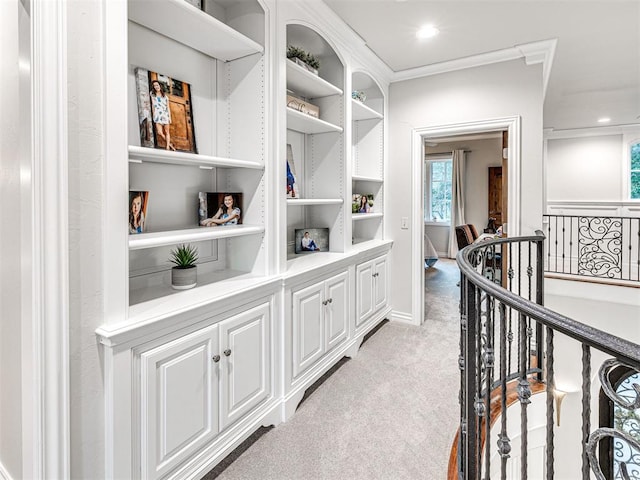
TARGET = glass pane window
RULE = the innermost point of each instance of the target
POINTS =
(635, 170)
(437, 206)
(629, 422)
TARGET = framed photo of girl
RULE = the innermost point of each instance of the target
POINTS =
(138, 205)
(219, 209)
(165, 112)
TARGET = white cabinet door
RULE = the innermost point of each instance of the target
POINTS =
(381, 283)
(336, 310)
(364, 292)
(308, 327)
(179, 398)
(245, 364)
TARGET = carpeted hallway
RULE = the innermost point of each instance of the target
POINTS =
(389, 413)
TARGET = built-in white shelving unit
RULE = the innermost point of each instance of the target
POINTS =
(367, 176)
(317, 145)
(220, 56)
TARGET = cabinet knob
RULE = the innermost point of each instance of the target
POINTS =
(330, 300)
(216, 358)
(324, 302)
(227, 352)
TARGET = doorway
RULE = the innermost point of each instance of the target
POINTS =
(511, 125)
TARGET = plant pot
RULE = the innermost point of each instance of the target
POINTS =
(305, 65)
(184, 278)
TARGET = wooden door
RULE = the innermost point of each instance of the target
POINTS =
(244, 364)
(495, 194)
(179, 94)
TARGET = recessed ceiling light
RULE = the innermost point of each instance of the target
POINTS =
(427, 31)
(604, 120)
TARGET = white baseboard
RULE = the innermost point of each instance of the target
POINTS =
(4, 475)
(402, 317)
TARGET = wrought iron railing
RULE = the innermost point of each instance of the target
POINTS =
(601, 247)
(507, 340)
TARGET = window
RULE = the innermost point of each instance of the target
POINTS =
(614, 452)
(437, 201)
(627, 421)
(635, 171)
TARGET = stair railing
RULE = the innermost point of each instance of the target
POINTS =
(507, 335)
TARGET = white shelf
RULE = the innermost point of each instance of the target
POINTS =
(156, 155)
(360, 178)
(362, 112)
(154, 303)
(365, 216)
(313, 201)
(198, 234)
(301, 122)
(305, 83)
(184, 23)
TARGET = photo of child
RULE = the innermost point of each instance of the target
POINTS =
(138, 204)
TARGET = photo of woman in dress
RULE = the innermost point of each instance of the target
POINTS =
(137, 211)
(161, 113)
(227, 214)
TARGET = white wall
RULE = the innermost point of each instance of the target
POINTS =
(610, 308)
(85, 237)
(586, 168)
(481, 154)
(488, 92)
(14, 124)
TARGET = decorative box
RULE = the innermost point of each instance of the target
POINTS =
(303, 106)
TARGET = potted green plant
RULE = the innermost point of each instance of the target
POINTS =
(303, 58)
(185, 273)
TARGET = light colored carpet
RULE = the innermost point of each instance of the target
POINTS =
(389, 413)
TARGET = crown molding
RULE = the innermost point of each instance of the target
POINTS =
(540, 52)
(551, 134)
(533, 53)
(348, 39)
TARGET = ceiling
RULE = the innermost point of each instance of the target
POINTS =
(596, 66)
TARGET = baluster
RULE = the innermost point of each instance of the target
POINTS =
(462, 442)
(556, 255)
(563, 242)
(638, 250)
(586, 408)
(504, 444)
(524, 393)
(550, 386)
(571, 245)
(469, 458)
(539, 301)
(489, 358)
(548, 240)
(510, 334)
(479, 405)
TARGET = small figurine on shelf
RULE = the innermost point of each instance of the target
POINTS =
(359, 95)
